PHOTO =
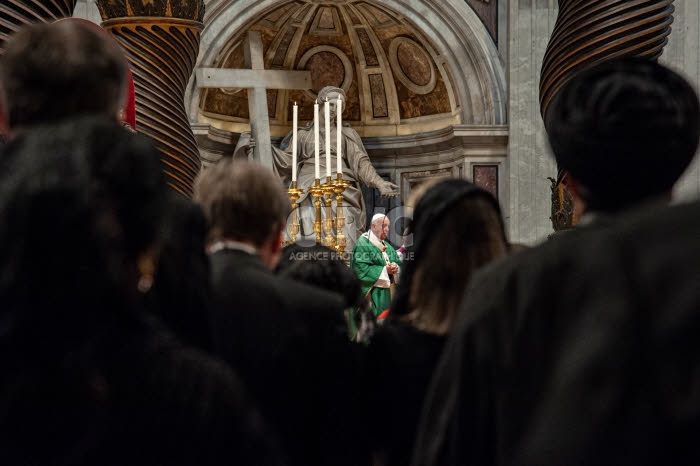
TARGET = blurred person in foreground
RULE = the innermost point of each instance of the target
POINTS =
(181, 293)
(457, 228)
(576, 351)
(66, 69)
(88, 376)
(624, 132)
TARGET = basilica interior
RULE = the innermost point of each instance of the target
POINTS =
(447, 88)
(162, 303)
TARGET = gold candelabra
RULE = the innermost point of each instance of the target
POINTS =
(329, 221)
(339, 186)
(323, 196)
(317, 192)
(294, 195)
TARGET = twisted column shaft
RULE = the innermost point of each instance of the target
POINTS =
(161, 40)
(589, 32)
(15, 13)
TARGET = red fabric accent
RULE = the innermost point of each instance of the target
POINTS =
(383, 315)
(130, 109)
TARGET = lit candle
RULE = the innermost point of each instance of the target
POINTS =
(294, 141)
(327, 138)
(339, 136)
(316, 148)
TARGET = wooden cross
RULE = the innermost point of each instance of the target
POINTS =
(257, 80)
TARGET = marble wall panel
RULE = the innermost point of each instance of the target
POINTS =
(379, 104)
(486, 176)
(683, 54)
(529, 159)
(488, 13)
(367, 48)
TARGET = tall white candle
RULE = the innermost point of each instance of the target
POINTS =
(316, 148)
(295, 110)
(339, 136)
(327, 138)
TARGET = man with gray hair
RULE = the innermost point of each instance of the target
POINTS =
(377, 264)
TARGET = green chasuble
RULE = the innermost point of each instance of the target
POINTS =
(367, 261)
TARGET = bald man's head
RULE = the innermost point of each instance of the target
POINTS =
(50, 72)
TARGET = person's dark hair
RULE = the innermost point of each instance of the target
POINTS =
(79, 204)
(322, 267)
(457, 228)
(64, 69)
(242, 201)
(181, 291)
(626, 130)
(87, 374)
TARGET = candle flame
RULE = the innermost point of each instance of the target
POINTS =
(295, 103)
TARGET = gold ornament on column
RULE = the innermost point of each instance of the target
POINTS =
(161, 40)
(589, 32)
(15, 13)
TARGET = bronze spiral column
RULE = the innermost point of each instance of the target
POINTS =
(161, 40)
(588, 32)
(15, 13)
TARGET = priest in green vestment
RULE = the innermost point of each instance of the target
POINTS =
(376, 263)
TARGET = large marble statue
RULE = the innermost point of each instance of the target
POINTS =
(357, 168)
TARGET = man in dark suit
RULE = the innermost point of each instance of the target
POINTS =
(563, 354)
(287, 340)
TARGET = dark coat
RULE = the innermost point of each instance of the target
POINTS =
(583, 351)
(400, 365)
(129, 394)
(289, 342)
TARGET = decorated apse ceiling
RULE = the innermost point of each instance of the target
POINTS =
(393, 78)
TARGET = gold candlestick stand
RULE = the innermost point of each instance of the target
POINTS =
(323, 195)
(329, 222)
(339, 186)
(317, 192)
(294, 195)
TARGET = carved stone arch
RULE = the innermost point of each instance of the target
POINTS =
(452, 26)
